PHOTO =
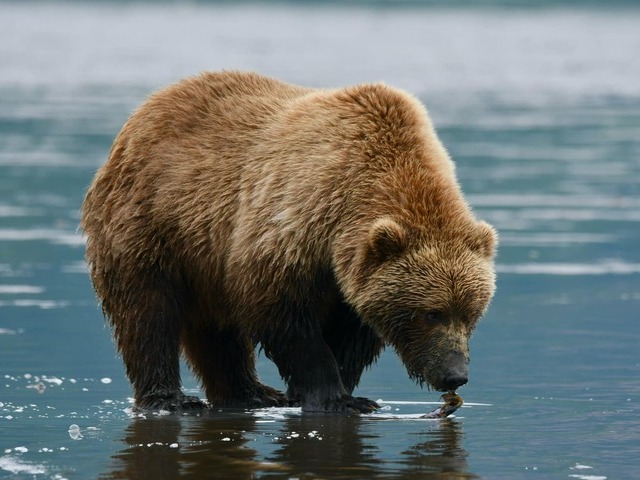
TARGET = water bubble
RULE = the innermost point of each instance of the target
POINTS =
(74, 432)
(38, 387)
(54, 380)
(106, 380)
(14, 466)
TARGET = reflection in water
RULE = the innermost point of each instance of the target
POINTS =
(142, 458)
(440, 452)
(338, 447)
(232, 444)
(213, 446)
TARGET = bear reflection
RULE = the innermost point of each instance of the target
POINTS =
(208, 446)
(440, 454)
(327, 446)
(353, 447)
(238, 445)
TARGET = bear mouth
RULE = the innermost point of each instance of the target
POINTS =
(448, 381)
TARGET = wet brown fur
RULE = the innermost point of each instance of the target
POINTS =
(235, 210)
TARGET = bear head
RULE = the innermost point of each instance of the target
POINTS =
(424, 293)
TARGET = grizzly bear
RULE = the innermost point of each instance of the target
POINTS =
(238, 211)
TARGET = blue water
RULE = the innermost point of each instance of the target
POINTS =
(540, 108)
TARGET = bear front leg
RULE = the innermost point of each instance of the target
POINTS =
(311, 372)
(224, 360)
(355, 345)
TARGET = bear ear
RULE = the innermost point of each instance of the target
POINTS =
(486, 239)
(386, 240)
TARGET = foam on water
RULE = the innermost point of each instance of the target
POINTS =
(9, 331)
(59, 237)
(612, 267)
(16, 466)
(12, 211)
(272, 414)
(28, 303)
(20, 289)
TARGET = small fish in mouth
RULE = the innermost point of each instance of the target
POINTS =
(452, 402)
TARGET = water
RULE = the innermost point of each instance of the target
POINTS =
(539, 107)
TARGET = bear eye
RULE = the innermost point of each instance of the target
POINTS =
(434, 316)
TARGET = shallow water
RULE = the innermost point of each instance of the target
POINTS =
(540, 109)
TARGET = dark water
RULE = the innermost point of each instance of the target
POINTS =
(541, 110)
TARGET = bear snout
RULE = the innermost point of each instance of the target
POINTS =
(455, 371)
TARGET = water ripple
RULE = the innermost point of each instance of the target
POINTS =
(610, 267)
(61, 237)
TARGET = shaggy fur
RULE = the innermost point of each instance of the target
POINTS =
(237, 210)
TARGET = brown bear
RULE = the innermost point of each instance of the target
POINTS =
(236, 210)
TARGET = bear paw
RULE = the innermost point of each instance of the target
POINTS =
(344, 404)
(177, 402)
(351, 404)
(264, 396)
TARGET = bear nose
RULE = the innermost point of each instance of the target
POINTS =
(453, 381)
(456, 372)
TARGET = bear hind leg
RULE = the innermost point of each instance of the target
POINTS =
(224, 361)
(146, 327)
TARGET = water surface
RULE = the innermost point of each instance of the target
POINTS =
(540, 108)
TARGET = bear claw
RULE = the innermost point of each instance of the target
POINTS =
(345, 404)
(360, 404)
(171, 403)
(266, 396)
